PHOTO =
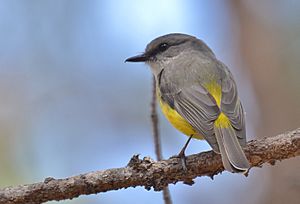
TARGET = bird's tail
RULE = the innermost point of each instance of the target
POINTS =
(233, 156)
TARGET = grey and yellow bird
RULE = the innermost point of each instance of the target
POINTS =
(198, 95)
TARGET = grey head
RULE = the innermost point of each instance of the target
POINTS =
(165, 48)
(170, 45)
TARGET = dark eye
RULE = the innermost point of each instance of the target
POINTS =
(163, 47)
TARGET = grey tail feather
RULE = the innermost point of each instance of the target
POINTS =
(233, 156)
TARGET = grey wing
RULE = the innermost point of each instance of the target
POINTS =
(200, 109)
(232, 107)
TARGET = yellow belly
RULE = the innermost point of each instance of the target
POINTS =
(177, 121)
(182, 125)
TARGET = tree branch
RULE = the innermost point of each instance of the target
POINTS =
(156, 137)
(149, 173)
(154, 119)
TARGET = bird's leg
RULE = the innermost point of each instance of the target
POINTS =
(181, 154)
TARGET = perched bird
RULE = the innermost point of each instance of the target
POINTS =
(198, 95)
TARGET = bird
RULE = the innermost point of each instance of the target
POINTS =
(198, 95)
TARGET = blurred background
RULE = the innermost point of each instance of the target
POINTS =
(69, 104)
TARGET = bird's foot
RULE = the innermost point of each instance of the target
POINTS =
(182, 158)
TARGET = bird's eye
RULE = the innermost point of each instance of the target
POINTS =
(163, 47)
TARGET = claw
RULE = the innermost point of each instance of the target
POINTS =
(182, 156)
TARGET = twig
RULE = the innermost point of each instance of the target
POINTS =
(157, 145)
(154, 120)
(149, 173)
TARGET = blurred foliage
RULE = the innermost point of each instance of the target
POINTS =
(69, 104)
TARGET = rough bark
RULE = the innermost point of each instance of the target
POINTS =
(149, 173)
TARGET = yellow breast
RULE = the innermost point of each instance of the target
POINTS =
(177, 121)
(182, 125)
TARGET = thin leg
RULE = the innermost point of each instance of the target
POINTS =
(181, 154)
(185, 146)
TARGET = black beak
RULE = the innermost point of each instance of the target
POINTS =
(139, 58)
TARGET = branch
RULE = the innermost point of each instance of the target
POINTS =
(156, 137)
(154, 120)
(149, 173)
